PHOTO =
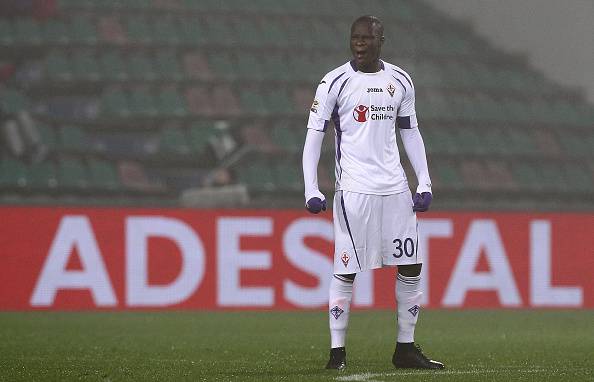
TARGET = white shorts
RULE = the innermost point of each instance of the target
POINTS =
(374, 231)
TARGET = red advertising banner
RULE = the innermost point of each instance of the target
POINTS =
(108, 258)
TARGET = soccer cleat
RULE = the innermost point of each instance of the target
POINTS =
(410, 356)
(337, 359)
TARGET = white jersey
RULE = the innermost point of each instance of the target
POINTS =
(364, 108)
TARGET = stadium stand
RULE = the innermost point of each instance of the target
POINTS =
(137, 102)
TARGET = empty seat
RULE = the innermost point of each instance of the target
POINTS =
(85, 66)
(103, 175)
(27, 32)
(13, 174)
(173, 141)
(143, 103)
(170, 102)
(73, 138)
(73, 174)
(140, 68)
(42, 176)
(167, 66)
(114, 103)
(58, 67)
(56, 32)
(83, 30)
(199, 136)
(113, 67)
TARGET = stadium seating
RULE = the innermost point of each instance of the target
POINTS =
(127, 97)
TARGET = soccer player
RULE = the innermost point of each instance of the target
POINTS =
(375, 223)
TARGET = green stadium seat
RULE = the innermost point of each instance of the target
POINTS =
(288, 176)
(274, 67)
(495, 141)
(469, 140)
(279, 102)
(527, 177)
(73, 174)
(286, 138)
(199, 135)
(173, 141)
(85, 66)
(142, 103)
(276, 35)
(140, 68)
(74, 139)
(7, 35)
(200, 101)
(253, 102)
(521, 142)
(167, 66)
(42, 176)
(170, 103)
(166, 31)
(114, 103)
(12, 101)
(48, 136)
(113, 67)
(248, 32)
(56, 32)
(225, 101)
(58, 67)
(13, 174)
(220, 32)
(139, 30)
(27, 32)
(250, 68)
(83, 30)
(222, 65)
(103, 175)
(577, 178)
(447, 176)
(257, 175)
(192, 32)
(196, 66)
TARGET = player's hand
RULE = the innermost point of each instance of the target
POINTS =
(315, 205)
(422, 201)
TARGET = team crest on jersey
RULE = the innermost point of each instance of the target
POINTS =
(314, 106)
(360, 113)
(391, 89)
(336, 312)
(414, 310)
(344, 257)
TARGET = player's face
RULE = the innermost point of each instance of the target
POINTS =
(366, 44)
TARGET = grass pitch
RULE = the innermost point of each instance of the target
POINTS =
(292, 346)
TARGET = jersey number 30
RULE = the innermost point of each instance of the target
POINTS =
(406, 247)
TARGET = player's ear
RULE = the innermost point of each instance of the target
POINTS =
(382, 39)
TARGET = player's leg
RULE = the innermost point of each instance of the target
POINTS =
(340, 296)
(400, 242)
(408, 297)
(351, 213)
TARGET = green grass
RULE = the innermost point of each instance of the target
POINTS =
(291, 346)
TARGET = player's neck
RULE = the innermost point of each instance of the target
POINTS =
(373, 67)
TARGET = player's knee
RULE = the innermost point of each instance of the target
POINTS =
(411, 270)
(348, 277)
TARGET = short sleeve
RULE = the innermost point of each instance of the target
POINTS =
(322, 105)
(407, 106)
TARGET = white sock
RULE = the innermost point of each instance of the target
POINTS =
(408, 297)
(341, 292)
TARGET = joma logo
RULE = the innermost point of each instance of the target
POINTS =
(374, 90)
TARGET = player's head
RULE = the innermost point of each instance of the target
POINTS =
(367, 37)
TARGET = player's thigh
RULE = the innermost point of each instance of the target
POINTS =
(399, 230)
(357, 232)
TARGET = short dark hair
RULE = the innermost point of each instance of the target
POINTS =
(371, 20)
